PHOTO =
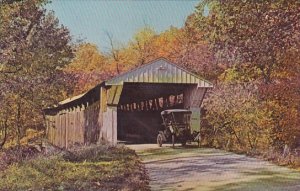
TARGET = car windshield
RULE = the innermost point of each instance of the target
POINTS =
(182, 118)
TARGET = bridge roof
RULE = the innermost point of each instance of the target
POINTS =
(159, 71)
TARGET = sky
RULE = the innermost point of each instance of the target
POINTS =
(91, 20)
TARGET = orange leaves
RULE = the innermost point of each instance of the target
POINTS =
(168, 43)
(261, 33)
(88, 59)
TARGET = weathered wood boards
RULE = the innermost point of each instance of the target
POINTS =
(193, 99)
(110, 124)
(86, 123)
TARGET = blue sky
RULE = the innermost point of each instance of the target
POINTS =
(92, 19)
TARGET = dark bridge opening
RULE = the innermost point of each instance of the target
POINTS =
(139, 109)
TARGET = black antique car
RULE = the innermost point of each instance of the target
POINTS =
(177, 127)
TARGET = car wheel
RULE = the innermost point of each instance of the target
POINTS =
(159, 140)
(173, 140)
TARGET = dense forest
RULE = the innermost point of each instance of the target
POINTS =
(248, 49)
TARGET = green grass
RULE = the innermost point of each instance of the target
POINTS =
(265, 181)
(169, 152)
(94, 168)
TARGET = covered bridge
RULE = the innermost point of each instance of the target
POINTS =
(126, 107)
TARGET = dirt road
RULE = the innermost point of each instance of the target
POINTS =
(212, 169)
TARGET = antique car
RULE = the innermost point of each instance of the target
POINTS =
(177, 127)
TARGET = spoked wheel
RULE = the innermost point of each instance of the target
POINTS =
(159, 140)
(199, 141)
(173, 140)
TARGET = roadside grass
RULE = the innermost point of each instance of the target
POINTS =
(264, 180)
(92, 168)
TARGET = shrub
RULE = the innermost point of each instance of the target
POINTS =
(91, 168)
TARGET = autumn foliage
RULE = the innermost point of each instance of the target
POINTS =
(255, 105)
(34, 49)
(248, 49)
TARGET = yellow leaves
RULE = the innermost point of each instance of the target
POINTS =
(88, 59)
(239, 74)
(144, 35)
(236, 109)
(229, 75)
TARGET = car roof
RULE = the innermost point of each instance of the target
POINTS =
(168, 111)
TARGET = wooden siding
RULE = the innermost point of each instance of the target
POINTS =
(159, 71)
(88, 123)
(74, 126)
(110, 124)
(193, 97)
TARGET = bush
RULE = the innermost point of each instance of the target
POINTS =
(236, 119)
(91, 168)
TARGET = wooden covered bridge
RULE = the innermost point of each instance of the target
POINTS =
(126, 107)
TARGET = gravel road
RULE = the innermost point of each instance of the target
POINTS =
(211, 169)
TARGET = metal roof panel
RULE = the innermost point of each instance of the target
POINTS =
(159, 71)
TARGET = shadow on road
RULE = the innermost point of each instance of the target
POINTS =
(191, 168)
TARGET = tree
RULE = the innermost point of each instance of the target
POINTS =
(114, 53)
(239, 120)
(89, 67)
(195, 53)
(88, 58)
(142, 45)
(168, 43)
(258, 33)
(34, 49)
(258, 41)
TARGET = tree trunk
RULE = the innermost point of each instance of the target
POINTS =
(118, 69)
(18, 123)
(4, 126)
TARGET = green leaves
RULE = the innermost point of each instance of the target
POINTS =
(33, 50)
